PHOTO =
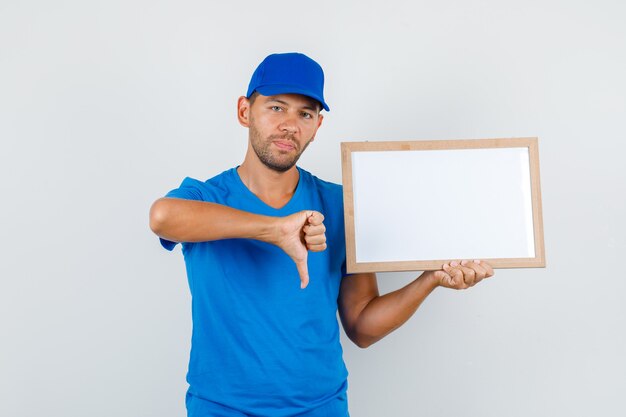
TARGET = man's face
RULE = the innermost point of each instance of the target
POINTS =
(281, 128)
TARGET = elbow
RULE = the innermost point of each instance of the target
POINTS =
(360, 331)
(362, 340)
(363, 344)
(158, 216)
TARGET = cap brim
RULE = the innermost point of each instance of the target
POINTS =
(272, 90)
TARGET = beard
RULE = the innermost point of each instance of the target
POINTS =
(279, 161)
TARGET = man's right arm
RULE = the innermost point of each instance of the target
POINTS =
(180, 220)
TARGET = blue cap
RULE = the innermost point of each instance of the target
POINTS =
(290, 73)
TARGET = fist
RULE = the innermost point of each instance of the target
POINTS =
(299, 233)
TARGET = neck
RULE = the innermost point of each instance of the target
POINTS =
(273, 188)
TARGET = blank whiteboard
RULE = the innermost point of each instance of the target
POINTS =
(415, 205)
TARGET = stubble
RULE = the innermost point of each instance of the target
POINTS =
(277, 160)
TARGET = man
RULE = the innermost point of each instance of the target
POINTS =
(263, 345)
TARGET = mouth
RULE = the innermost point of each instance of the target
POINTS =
(285, 145)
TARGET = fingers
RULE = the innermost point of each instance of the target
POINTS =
(481, 269)
(303, 271)
(315, 218)
(456, 275)
(444, 278)
(315, 237)
(466, 274)
(314, 232)
(317, 248)
(473, 273)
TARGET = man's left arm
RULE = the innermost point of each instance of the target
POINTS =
(367, 316)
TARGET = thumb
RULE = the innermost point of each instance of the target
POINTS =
(445, 274)
(303, 271)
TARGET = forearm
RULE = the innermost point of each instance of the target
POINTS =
(384, 314)
(181, 220)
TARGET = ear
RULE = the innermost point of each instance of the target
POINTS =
(320, 117)
(243, 111)
(319, 122)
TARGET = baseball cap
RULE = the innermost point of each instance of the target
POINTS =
(289, 73)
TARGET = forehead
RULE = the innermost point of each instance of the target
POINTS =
(292, 100)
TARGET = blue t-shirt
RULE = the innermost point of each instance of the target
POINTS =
(260, 344)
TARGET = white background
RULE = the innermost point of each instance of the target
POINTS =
(105, 106)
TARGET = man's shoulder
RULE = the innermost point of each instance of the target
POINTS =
(224, 177)
(207, 190)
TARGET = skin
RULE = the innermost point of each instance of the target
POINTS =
(280, 129)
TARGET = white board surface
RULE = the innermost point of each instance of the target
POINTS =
(439, 204)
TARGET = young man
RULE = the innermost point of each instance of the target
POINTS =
(263, 345)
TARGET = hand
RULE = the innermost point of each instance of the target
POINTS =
(299, 233)
(462, 275)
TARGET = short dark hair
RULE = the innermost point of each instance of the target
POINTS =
(253, 97)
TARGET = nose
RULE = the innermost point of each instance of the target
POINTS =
(288, 125)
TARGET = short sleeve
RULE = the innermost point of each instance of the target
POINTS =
(189, 189)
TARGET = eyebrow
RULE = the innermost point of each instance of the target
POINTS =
(277, 100)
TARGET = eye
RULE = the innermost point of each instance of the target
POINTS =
(307, 115)
(276, 108)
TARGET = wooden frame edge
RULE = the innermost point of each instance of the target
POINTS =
(348, 147)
